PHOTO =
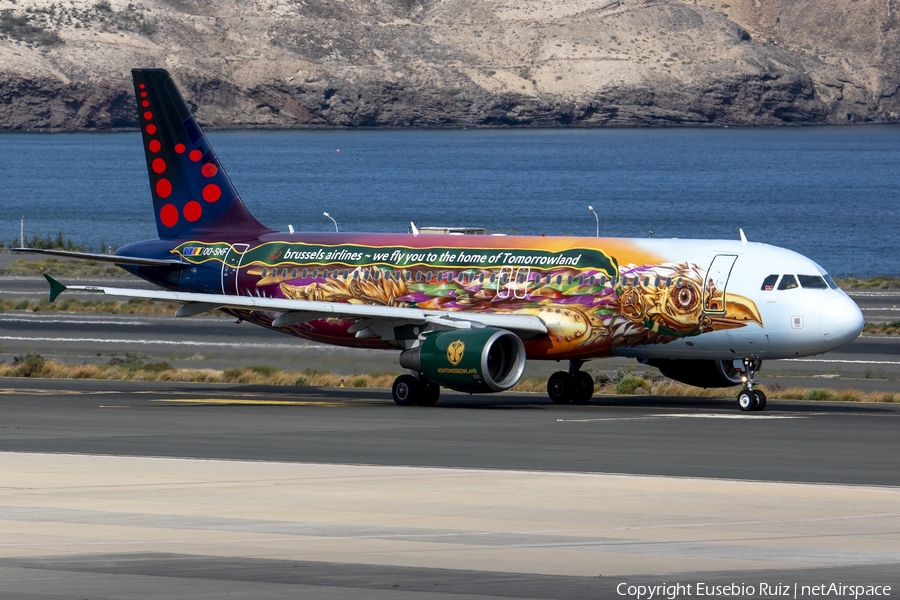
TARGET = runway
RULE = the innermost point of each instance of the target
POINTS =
(144, 489)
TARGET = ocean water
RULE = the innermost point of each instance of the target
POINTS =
(829, 193)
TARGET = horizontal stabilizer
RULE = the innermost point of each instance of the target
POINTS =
(169, 263)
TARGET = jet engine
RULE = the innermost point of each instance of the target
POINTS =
(701, 373)
(469, 360)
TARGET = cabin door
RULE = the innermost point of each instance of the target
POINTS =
(716, 282)
(231, 268)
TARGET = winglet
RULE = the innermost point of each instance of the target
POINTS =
(56, 288)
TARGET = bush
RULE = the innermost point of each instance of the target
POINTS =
(29, 365)
(301, 380)
(360, 382)
(629, 384)
(263, 370)
(819, 394)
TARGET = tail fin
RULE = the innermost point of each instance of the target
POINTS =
(192, 195)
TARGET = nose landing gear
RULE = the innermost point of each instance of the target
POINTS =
(750, 399)
(574, 386)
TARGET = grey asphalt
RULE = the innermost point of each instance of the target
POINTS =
(800, 442)
(791, 441)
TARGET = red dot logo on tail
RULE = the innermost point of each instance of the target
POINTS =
(168, 214)
(212, 192)
(193, 211)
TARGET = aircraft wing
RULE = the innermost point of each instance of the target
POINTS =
(371, 320)
(111, 258)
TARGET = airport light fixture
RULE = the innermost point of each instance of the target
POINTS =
(332, 220)
(596, 218)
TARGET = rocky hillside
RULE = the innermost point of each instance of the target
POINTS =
(64, 64)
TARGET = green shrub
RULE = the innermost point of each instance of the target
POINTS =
(819, 394)
(301, 380)
(629, 384)
(29, 365)
(265, 371)
(360, 382)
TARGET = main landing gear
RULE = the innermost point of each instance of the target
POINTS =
(749, 398)
(574, 386)
(409, 390)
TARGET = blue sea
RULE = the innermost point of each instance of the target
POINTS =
(829, 193)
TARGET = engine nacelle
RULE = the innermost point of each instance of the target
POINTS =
(701, 373)
(469, 360)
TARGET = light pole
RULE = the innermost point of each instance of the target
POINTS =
(332, 220)
(596, 218)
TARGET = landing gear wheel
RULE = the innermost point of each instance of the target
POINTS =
(584, 388)
(406, 390)
(747, 400)
(760, 400)
(430, 394)
(561, 387)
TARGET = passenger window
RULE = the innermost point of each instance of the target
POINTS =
(581, 280)
(324, 274)
(449, 275)
(558, 279)
(812, 282)
(315, 273)
(769, 283)
(679, 283)
(603, 280)
(304, 273)
(788, 282)
(418, 275)
(294, 274)
(569, 280)
(264, 273)
(656, 281)
(428, 276)
(481, 278)
(668, 282)
(591, 280)
(504, 278)
(284, 273)
(407, 275)
(493, 278)
(647, 281)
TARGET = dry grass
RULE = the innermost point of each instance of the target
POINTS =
(134, 306)
(874, 283)
(134, 369)
(64, 268)
(889, 328)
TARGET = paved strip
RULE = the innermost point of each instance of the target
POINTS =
(555, 524)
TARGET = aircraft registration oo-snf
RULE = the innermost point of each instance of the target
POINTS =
(466, 312)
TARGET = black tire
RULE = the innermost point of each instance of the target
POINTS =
(584, 388)
(406, 390)
(431, 393)
(561, 387)
(746, 401)
(760, 400)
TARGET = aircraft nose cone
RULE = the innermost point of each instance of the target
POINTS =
(841, 321)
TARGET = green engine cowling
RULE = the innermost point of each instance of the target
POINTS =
(469, 360)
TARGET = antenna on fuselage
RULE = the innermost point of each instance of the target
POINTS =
(413, 228)
(290, 228)
(743, 237)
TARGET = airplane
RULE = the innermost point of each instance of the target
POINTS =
(467, 312)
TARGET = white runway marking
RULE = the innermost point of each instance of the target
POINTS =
(685, 416)
(839, 360)
(268, 346)
(95, 321)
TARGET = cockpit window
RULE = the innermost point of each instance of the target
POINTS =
(769, 283)
(830, 281)
(812, 282)
(788, 282)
